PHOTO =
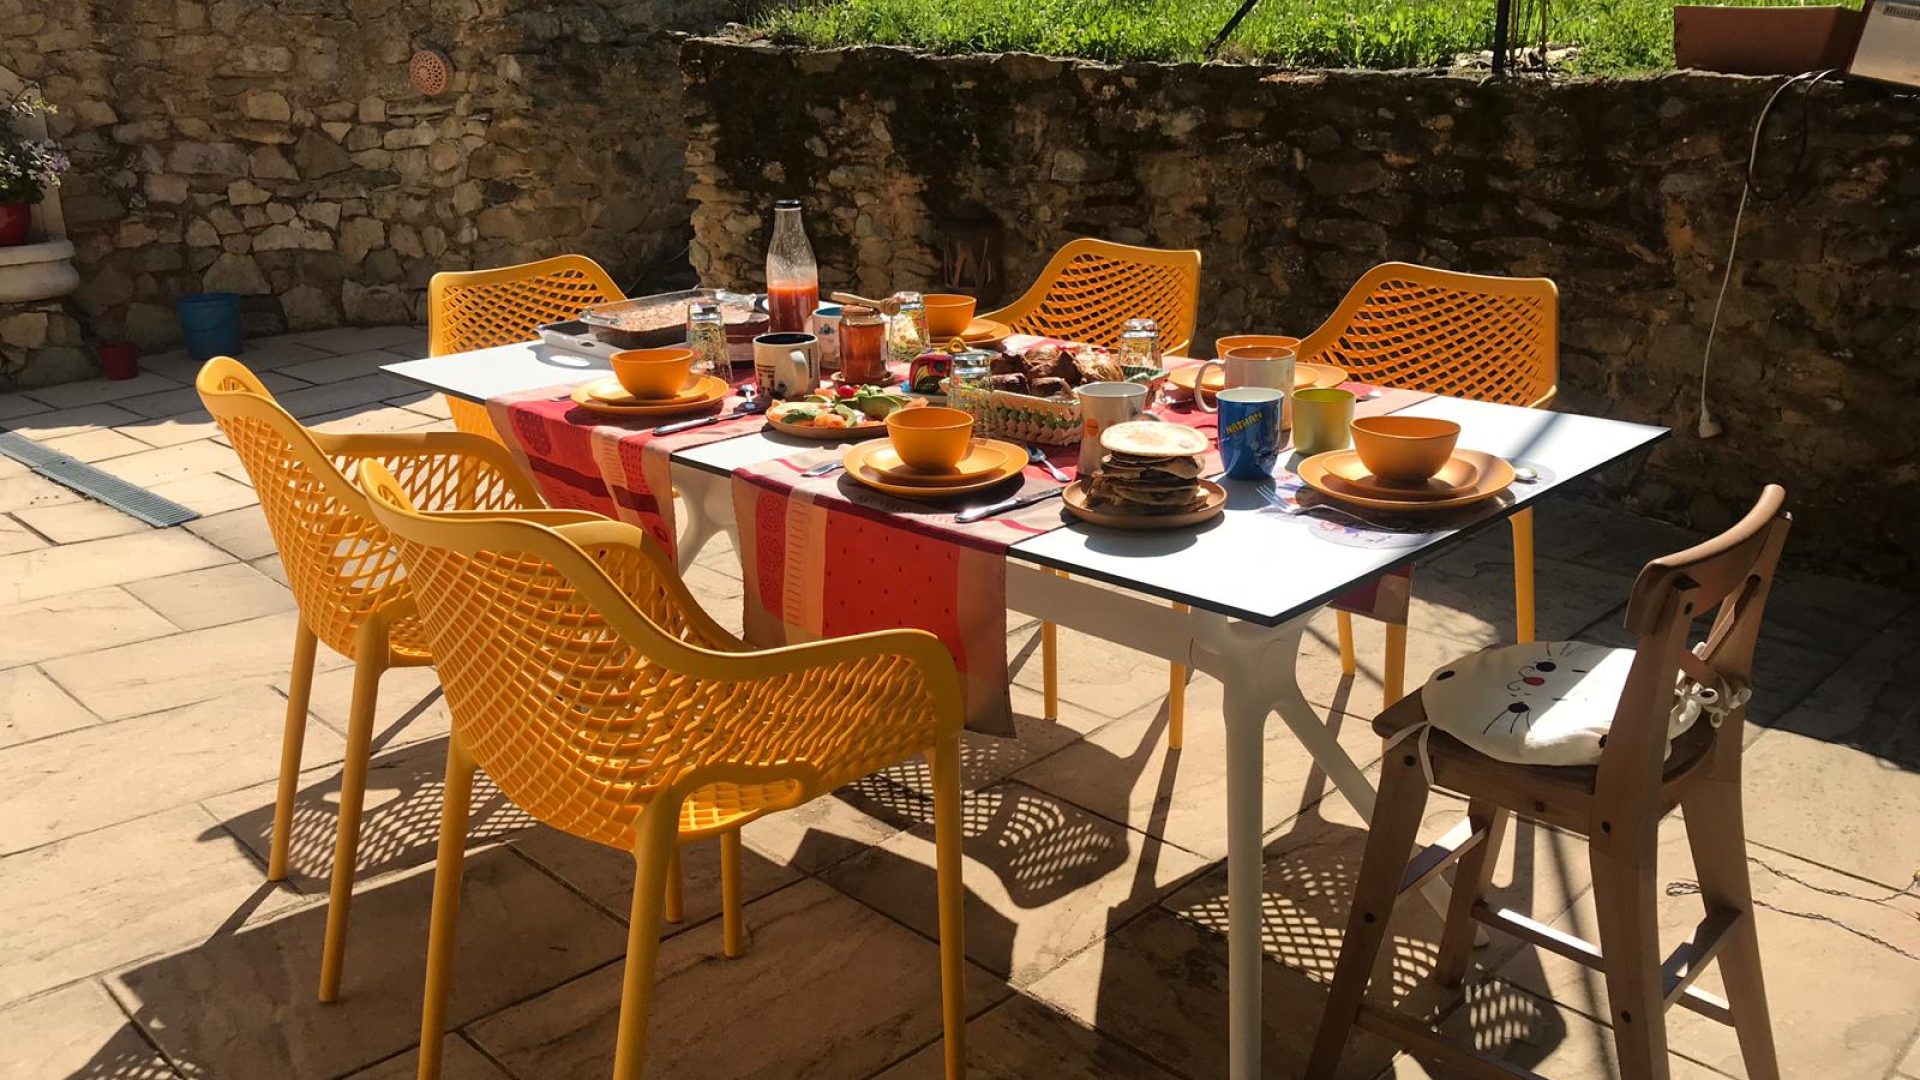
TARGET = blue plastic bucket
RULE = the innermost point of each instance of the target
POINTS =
(210, 323)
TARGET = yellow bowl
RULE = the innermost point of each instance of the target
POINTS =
(931, 439)
(1404, 449)
(1224, 345)
(947, 315)
(652, 373)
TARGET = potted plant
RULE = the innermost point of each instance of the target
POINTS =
(28, 166)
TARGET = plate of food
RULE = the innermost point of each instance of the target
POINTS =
(1149, 478)
(851, 412)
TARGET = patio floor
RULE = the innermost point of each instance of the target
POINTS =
(142, 679)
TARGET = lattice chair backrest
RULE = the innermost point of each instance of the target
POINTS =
(1090, 287)
(478, 309)
(581, 679)
(338, 562)
(1729, 576)
(1467, 335)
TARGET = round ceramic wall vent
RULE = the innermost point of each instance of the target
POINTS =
(429, 71)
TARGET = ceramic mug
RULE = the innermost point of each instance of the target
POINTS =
(1250, 432)
(1252, 365)
(1322, 420)
(1102, 405)
(826, 327)
(787, 364)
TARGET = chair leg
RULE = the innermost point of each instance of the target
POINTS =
(446, 906)
(944, 762)
(1343, 622)
(370, 662)
(1050, 670)
(675, 902)
(1393, 678)
(655, 846)
(1390, 838)
(292, 738)
(1471, 876)
(732, 926)
(1629, 923)
(1717, 834)
(1522, 575)
(1177, 697)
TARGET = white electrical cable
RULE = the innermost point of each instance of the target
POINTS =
(1709, 427)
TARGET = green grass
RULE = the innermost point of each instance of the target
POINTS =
(1613, 36)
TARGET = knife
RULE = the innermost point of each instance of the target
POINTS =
(968, 517)
(747, 409)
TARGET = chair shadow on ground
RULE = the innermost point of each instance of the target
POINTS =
(244, 995)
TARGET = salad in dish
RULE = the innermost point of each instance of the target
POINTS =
(847, 407)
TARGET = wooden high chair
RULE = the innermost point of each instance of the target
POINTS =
(1617, 805)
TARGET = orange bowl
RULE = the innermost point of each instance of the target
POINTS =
(1404, 449)
(652, 373)
(947, 315)
(1224, 345)
(932, 439)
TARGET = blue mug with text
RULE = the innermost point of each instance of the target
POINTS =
(1250, 433)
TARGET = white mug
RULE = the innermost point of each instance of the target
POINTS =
(1102, 405)
(1252, 365)
(787, 365)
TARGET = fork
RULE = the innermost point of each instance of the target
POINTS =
(1038, 457)
(1297, 509)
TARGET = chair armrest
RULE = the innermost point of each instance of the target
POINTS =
(641, 569)
(441, 470)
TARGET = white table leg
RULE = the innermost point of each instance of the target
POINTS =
(706, 502)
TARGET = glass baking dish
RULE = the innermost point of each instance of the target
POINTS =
(648, 322)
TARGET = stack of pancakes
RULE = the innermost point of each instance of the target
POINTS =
(1149, 468)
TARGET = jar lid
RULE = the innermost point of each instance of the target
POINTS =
(854, 313)
(786, 204)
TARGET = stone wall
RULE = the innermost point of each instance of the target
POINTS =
(275, 148)
(1292, 184)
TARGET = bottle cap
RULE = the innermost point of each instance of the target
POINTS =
(786, 204)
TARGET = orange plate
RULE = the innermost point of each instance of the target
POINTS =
(610, 392)
(859, 468)
(983, 459)
(981, 332)
(807, 431)
(1495, 476)
(1456, 477)
(706, 393)
(1076, 499)
(1305, 376)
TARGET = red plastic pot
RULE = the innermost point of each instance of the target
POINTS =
(15, 218)
(119, 359)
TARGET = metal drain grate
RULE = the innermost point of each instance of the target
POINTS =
(94, 484)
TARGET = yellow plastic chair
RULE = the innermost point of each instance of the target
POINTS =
(602, 700)
(1465, 335)
(345, 577)
(1086, 292)
(479, 309)
(1090, 287)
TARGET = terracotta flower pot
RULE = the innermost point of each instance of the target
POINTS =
(15, 219)
(1764, 40)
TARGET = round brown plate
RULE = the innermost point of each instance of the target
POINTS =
(1455, 478)
(807, 431)
(1075, 496)
(711, 391)
(1495, 476)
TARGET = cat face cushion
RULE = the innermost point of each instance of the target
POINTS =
(1538, 703)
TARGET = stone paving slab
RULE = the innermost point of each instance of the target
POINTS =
(829, 989)
(33, 707)
(76, 1032)
(1022, 1039)
(520, 933)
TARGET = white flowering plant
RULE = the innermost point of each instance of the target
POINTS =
(28, 167)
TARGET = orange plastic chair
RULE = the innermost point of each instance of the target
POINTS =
(602, 700)
(345, 577)
(1466, 335)
(479, 309)
(1086, 292)
(1090, 287)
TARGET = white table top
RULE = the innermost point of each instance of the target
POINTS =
(503, 369)
(1242, 564)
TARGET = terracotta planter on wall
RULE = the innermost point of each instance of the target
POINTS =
(1764, 40)
(15, 220)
